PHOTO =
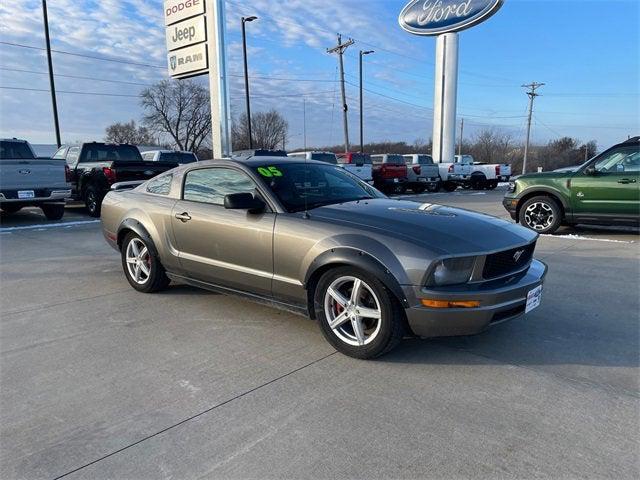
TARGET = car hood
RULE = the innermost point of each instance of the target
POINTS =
(441, 229)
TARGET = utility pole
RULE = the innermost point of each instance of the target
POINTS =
(339, 49)
(362, 53)
(461, 131)
(52, 84)
(246, 76)
(304, 124)
(533, 86)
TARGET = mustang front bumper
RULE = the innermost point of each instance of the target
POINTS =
(500, 300)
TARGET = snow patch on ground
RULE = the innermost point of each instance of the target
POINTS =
(580, 237)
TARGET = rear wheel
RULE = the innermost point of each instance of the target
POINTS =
(449, 186)
(492, 185)
(357, 314)
(541, 214)
(93, 201)
(478, 182)
(141, 265)
(8, 208)
(53, 211)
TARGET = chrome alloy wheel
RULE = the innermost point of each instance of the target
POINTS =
(138, 261)
(539, 216)
(353, 311)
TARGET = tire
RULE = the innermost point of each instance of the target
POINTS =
(433, 187)
(492, 185)
(8, 208)
(155, 278)
(53, 211)
(93, 200)
(541, 214)
(478, 182)
(419, 189)
(449, 186)
(377, 335)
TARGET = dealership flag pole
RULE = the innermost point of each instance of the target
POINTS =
(51, 81)
(444, 98)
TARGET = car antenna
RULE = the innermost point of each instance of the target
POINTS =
(305, 215)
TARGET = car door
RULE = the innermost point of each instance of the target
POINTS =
(608, 187)
(231, 248)
(72, 161)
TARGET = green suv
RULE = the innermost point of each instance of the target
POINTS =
(605, 190)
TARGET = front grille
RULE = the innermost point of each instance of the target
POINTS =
(503, 263)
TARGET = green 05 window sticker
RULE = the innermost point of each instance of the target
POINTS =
(269, 171)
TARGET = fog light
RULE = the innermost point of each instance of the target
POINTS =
(450, 303)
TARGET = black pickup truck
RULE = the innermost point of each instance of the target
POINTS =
(94, 167)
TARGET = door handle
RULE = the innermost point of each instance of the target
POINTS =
(183, 217)
(627, 180)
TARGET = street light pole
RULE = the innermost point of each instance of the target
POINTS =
(362, 53)
(52, 84)
(246, 76)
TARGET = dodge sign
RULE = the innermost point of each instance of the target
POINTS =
(176, 10)
(434, 17)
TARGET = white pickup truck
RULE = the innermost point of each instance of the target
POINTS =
(485, 175)
(455, 174)
(358, 164)
(26, 180)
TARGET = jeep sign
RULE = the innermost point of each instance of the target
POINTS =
(176, 10)
(188, 60)
(434, 17)
(186, 33)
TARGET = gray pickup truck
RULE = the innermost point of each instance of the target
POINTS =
(422, 173)
(27, 180)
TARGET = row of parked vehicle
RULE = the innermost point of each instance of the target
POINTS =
(396, 173)
(86, 172)
(82, 172)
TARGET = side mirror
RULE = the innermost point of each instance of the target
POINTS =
(590, 170)
(244, 201)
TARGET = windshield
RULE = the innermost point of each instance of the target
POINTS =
(15, 150)
(96, 152)
(301, 186)
(324, 157)
(178, 157)
(425, 159)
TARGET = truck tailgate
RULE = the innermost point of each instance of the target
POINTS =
(39, 173)
(361, 171)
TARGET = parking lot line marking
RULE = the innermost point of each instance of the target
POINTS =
(579, 237)
(160, 432)
(48, 226)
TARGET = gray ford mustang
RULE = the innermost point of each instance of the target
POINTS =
(310, 236)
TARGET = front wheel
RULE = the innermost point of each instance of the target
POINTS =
(541, 214)
(141, 265)
(53, 211)
(357, 314)
(93, 201)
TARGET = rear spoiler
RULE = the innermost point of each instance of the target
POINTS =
(126, 185)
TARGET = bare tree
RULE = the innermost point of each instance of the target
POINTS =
(128, 133)
(179, 110)
(491, 146)
(269, 130)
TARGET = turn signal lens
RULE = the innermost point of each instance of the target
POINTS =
(450, 303)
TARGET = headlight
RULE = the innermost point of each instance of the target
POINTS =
(512, 187)
(451, 271)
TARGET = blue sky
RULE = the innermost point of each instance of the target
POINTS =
(587, 53)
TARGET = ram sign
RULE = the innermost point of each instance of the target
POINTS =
(434, 17)
(188, 60)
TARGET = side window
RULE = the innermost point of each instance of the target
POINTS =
(160, 185)
(620, 160)
(72, 156)
(210, 185)
(60, 153)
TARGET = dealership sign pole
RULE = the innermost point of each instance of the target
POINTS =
(196, 46)
(443, 19)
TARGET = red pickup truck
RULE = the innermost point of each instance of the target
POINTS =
(389, 173)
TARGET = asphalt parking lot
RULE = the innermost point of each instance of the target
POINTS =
(99, 381)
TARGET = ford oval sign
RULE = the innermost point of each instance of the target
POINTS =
(434, 17)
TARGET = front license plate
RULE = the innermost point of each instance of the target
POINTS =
(26, 194)
(395, 180)
(533, 298)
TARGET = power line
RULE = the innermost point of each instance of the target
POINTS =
(79, 77)
(70, 91)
